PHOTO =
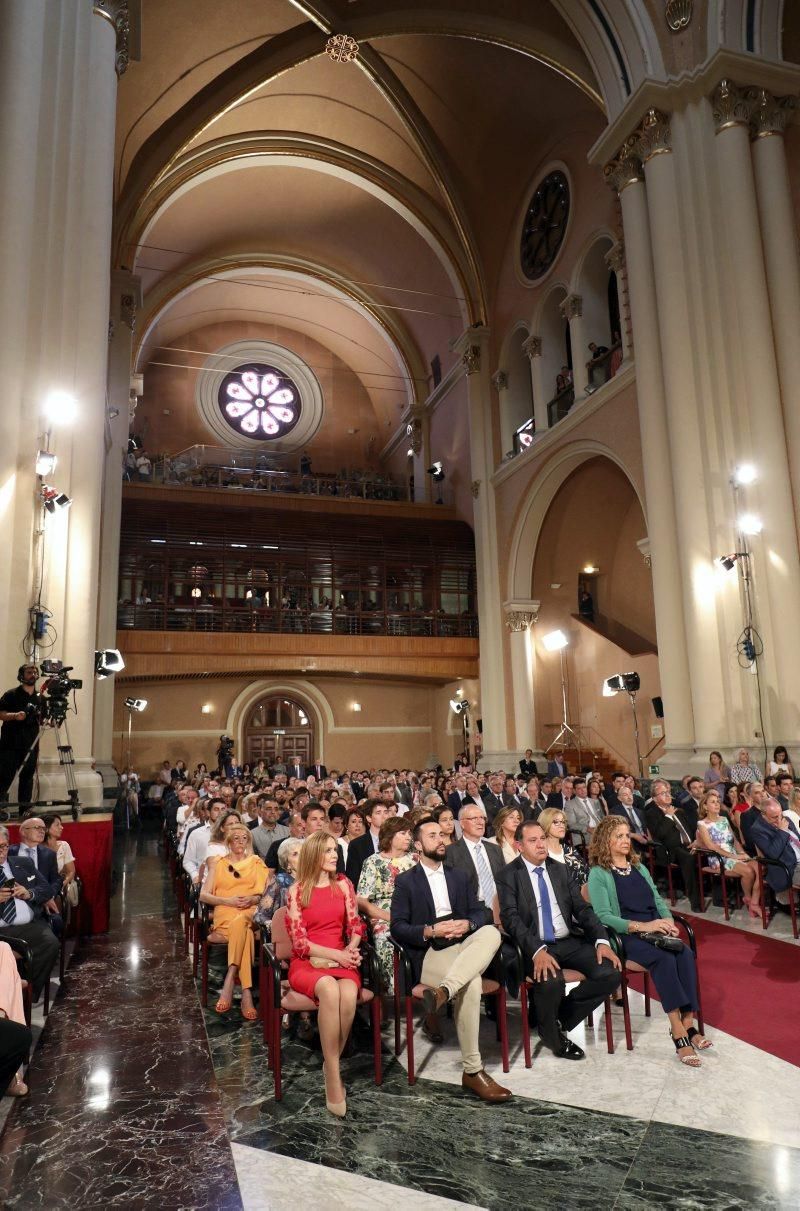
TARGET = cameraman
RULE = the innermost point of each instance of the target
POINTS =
(225, 756)
(20, 713)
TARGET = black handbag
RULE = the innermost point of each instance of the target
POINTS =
(662, 941)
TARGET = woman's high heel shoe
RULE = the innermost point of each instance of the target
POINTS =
(337, 1108)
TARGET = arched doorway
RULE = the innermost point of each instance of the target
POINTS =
(278, 728)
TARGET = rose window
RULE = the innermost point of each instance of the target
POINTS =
(259, 402)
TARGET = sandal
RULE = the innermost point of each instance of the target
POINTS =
(222, 1006)
(691, 1061)
(703, 1045)
(251, 1014)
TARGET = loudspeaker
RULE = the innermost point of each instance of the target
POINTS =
(479, 724)
(658, 707)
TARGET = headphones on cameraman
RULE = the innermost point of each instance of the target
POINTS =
(21, 671)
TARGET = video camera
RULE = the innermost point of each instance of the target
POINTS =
(58, 687)
(225, 746)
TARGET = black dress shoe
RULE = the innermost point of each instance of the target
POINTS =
(569, 1050)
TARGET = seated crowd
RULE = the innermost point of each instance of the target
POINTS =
(38, 889)
(462, 872)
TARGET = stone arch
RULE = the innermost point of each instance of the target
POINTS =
(319, 708)
(540, 496)
(551, 326)
(591, 280)
(516, 395)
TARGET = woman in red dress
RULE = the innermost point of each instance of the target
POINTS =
(326, 931)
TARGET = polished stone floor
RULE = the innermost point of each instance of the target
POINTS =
(139, 1099)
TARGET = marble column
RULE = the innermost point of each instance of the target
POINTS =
(625, 176)
(572, 310)
(499, 381)
(762, 436)
(533, 348)
(125, 301)
(779, 239)
(520, 618)
(473, 349)
(615, 259)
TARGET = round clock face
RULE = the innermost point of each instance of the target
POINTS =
(544, 226)
(259, 401)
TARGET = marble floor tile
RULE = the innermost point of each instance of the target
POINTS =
(279, 1183)
(779, 930)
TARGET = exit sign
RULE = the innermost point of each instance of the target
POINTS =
(654, 769)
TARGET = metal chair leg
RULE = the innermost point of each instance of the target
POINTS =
(626, 1011)
(412, 1078)
(609, 1027)
(376, 1008)
(526, 1032)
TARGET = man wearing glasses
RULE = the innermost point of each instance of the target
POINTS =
(23, 895)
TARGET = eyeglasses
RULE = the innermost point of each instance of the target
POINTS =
(234, 872)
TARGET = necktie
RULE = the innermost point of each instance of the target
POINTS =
(684, 835)
(9, 913)
(632, 818)
(485, 877)
(548, 929)
(30, 852)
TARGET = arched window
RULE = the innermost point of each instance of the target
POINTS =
(259, 402)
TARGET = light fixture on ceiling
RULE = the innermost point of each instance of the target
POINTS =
(45, 463)
(590, 569)
(108, 662)
(341, 48)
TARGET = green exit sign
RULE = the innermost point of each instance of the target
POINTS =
(654, 769)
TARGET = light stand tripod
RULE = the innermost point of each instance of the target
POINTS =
(632, 699)
(565, 730)
(66, 759)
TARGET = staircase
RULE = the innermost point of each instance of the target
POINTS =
(599, 759)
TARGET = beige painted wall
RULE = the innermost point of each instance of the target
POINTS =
(412, 722)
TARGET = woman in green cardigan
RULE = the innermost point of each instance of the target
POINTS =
(624, 896)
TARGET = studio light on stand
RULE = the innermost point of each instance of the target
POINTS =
(628, 683)
(556, 641)
(138, 705)
(436, 472)
(108, 662)
(45, 464)
(460, 707)
(53, 500)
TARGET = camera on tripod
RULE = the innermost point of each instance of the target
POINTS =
(58, 687)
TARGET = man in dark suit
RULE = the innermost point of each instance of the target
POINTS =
(611, 789)
(295, 769)
(480, 862)
(359, 850)
(23, 895)
(561, 799)
(543, 911)
(777, 837)
(624, 807)
(32, 832)
(511, 795)
(670, 828)
(748, 819)
(439, 922)
(493, 797)
(318, 770)
(785, 784)
(527, 766)
(458, 797)
(556, 766)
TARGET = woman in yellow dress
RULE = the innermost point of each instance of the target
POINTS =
(234, 888)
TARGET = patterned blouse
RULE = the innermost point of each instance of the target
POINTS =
(301, 943)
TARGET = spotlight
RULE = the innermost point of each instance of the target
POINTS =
(458, 706)
(136, 704)
(554, 641)
(52, 499)
(728, 561)
(356, 706)
(590, 569)
(45, 463)
(750, 524)
(437, 471)
(745, 473)
(199, 592)
(108, 662)
(60, 408)
(629, 682)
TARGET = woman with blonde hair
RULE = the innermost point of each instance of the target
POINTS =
(506, 823)
(326, 932)
(624, 896)
(554, 824)
(715, 835)
(234, 888)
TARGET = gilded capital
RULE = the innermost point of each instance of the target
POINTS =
(532, 347)
(572, 307)
(644, 550)
(615, 257)
(626, 169)
(500, 380)
(654, 136)
(521, 614)
(118, 13)
(731, 106)
(471, 359)
(768, 114)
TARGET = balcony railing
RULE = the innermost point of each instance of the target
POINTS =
(560, 405)
(288, 620)
(248, 471)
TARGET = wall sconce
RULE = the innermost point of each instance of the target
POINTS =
(356, 706)
(206, 708)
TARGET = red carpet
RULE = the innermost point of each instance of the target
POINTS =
(750, 987)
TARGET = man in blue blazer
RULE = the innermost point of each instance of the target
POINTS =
(777, 838)
(438, 920)
(32, 832)
(23, 894)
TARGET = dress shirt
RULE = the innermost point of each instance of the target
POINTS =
(374, 836)
(263, 838)
(560, 927)
(23, 908)
(438, 885)
(29, 851)
(684, 832)
(473, 847)
(194, 854)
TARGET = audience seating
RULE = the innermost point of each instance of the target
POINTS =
(704, 871)
(629, 967)
(277, 998)
(765, 891)
(570, 977)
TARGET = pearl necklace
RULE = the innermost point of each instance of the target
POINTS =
(624, 871)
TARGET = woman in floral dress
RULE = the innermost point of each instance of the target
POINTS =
(376, 886)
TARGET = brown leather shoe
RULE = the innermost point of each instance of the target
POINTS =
(482, 1085)
(435, 999)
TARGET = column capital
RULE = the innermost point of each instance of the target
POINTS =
(500, 380)
(119, 14)
(615, 257)
(730, 105)
(532, 347)
(678, 14)
(654, 135)
(626, 168)
(572, 307)
(414, 432)
(644, 550)
(521, 614)
(769, 114)
(469, 346)
(475, 488)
